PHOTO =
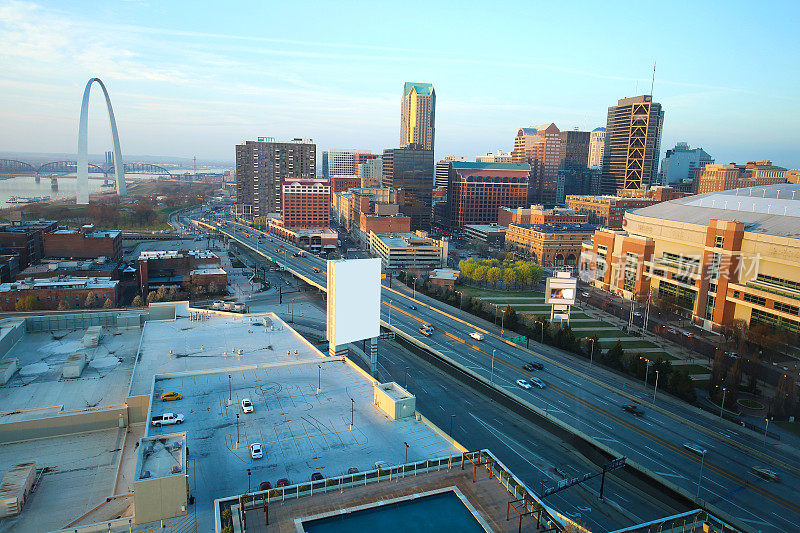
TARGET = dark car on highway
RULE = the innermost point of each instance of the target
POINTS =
(633, 409)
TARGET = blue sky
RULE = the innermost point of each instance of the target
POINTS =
(195, 78)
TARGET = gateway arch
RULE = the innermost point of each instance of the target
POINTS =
(83, 155)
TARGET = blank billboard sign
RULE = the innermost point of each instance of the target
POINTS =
(354, 300)
(560, 290)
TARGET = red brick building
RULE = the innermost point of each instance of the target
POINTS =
(173, 267)
(362, 158)
(475, 191)
(26, 239)
(50, 292)
(306, 203)
(537, 214)
(86, 243)
(344, 183)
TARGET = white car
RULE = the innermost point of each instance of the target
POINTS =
(694, 448)
(476, 335)
(256, 451)
(247, 405)
(524, 384)
(538, 382)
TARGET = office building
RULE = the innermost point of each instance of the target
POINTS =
(633, 140)
(50, 292)
(712, 178)
(573, 173)
(418, 115)
(489, 233)
(261, 168)
(680, 163)
(408, 251)
(343, 162)
(443, 170)
(84, 243)
(344, 183)
(540, 147)
(793, 176)
(362, 210)
(306, 203)
(498, 157)
(550, 245)
(597, 142)
(477, 190)
(411, 169)
(95, 268)
(167, 268)
(737, 258)
(538, 214)
(607, 210)
(360, 158)
(371, 172)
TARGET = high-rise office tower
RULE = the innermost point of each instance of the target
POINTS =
(597, 142)
(540, 147)
(680, 163)
(341, 162)
(418, 115)
(261, 168)
(443, 169)
(573, 174)
(477, 190)
(633, 140)
(411, 169)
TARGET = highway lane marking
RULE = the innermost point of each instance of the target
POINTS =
(505, 439)
(671, 475)
(609, 439)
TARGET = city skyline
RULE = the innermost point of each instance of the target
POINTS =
(187, 83)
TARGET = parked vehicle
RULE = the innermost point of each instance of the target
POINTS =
(264, 485)
(383, 464)
(426, 330)
(478, 336)
(316, 476)
(352, 470)
(170, 396)
(282, 482)
(524, 384)
(633, 409)
(167, 419)
(256, 451)
(247, 405)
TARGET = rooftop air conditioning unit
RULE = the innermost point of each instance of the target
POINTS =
(145, 474)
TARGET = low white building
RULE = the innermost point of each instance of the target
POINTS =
(408, 250)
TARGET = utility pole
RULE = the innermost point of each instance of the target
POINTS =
(656, 388)
(491, 379)
(647, 310)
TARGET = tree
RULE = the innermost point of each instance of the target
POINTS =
(494, 275)
(161, 294)
(137, 301)
(151, 297)
(28, 303)
(480, 273)
(91, 300)
(108, 304)
(172, 293)
(613, 356)
(509, 276)
(63, 305)
(467, 267)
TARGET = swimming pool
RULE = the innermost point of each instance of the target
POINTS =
(428, 512)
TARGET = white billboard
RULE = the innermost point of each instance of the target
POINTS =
(561, 290)
(354, 300)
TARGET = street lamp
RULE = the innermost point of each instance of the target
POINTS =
(414, 288)
(491, 378)
(655, 388)
(230, 390)
(406, 461)
(503, 320)
(248, 480)
(700, 479)
(541, 324)
(591, 352)
(451, 424)
(646, 370)
(319, 378)
(237, 430)
(352, 411)
(722, 405)
(766, 427)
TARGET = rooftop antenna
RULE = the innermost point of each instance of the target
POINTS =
(653, 80)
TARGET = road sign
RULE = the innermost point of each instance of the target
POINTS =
(519, 338)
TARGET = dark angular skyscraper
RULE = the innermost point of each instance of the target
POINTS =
(633, 140)
(411, 168)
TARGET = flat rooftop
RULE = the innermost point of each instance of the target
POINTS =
(38, 384)
(78, 473)
(161, 456)
(61, 282)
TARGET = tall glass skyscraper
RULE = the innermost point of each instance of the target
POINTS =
(418, 115)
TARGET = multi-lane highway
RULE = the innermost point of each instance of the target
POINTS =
(591, 403)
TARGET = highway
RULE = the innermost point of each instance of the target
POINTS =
(593, 405)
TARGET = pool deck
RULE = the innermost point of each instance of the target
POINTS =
(487, 495)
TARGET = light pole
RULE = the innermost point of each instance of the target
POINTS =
(230, 390)
(248, 480)
(237, 430)
(352, 411)
(700, 479)
(451, 424)
(414, 288)
(722, 405)
(646, 369)
(765, 431)
(655, 389)
(591, 352)
(503, 320)
(491, 378)
(541, 325)
(319, 378)
(647, 310)
(406, 461)
(405, 378)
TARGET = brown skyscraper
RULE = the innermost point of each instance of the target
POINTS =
(633, 140)
(540, 147)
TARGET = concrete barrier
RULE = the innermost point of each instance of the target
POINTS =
(65, 423)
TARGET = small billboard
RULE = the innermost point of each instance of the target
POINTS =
(354, 300)
(561, 289)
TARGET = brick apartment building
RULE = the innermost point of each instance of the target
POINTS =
(306, 203)
(550, 245)
(25, 239)
(47, 268)
(84, 243)
(713, 178)
(50, 292)
(173, 267)
(537, 214)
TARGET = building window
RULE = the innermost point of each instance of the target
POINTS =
(753, 299)
(774, 321)
(736, 294)
(786, 308)
(719, 241)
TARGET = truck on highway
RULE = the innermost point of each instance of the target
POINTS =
(167, 419)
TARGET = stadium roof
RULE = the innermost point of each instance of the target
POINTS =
(770, 210)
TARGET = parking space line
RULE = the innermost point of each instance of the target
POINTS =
(293, 439)
(278, 440)
(309, 438)
(336, 432)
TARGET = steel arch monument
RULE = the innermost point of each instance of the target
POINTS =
(83, 147)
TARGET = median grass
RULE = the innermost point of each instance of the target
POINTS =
(694, 369)
(480, 292)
